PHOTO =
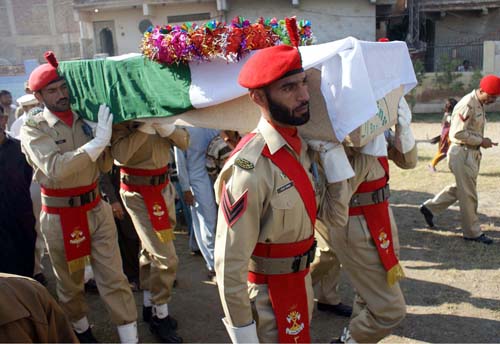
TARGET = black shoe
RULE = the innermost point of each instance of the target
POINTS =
(336, 340)
(91, 286)
(428, 216)
(86, 337)
(339, 309)
(483, 239)
(195, 253)
(40, 278)
(164, 330)
(147, 314)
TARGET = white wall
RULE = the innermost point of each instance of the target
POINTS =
(331, 19)
(128, 37)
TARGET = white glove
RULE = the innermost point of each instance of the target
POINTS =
(334, 160)
(147, 126)
(103, 132)
(245, 334)
(376, 147)
(404, 136)
(164, 129)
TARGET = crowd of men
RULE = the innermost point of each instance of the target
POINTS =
(273, 214)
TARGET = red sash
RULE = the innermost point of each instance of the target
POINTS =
(153, 199)
(74, 223)
(287, 292)
(379, 224)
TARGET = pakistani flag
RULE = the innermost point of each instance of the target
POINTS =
(354, 75)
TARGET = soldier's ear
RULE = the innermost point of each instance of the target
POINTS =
(38, 96)
(258, 96)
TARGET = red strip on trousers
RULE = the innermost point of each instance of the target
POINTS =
(155, 205)
(74, 224)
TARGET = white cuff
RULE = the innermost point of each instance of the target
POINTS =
(81, 325)
(336, 165)
(93, 148)
(376, 147)
(404, 139)
(164, 129)
(147, 128)
(128, 333)
(245, 334)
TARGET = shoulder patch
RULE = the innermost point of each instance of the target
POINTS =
(244, 164)
(30, 122)
(34, 117)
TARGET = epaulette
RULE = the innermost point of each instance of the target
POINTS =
(34, 118)
(248, 156)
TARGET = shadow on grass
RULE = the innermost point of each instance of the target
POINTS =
(442, 245)
(447, 328)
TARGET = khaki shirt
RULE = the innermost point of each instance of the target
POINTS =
(367, 168)
(467, 121)
(133, 148)
(54, 151)
(29, 314)
(275, 213)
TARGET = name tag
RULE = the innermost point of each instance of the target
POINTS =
(285, 187)
(60, 141)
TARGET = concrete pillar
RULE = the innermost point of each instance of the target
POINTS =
(489, 57)
(12, 20)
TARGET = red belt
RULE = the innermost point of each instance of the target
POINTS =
(153, 200)
(74, 223)
(287, 292)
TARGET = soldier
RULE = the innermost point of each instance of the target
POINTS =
(77, 226)
(367, 245)
(267, 210)
(464, 156)
(142, 151)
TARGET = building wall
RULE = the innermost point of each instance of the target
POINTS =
(30, 27)
(126, 21)
(331, 19)
(461, 34)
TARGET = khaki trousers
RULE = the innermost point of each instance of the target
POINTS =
(263, 313)
(378, 308)
(464, 164)
(158, 261)
(325, 269)
(106, 264)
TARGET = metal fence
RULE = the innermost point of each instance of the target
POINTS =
(438, 55)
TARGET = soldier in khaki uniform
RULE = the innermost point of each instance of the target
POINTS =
(368, 253)
(143, 151)
(265, 241)
(464, 156)
(76, 224)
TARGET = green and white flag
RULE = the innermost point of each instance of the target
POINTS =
(354, 75)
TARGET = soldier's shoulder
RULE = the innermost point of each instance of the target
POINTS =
(35, 117)
(247, 157)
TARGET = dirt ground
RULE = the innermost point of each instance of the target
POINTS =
(452, 287)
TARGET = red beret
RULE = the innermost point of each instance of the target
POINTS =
(490, 84)
(270, 64)
(44, 74)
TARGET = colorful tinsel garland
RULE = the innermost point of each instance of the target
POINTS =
(190, 42)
